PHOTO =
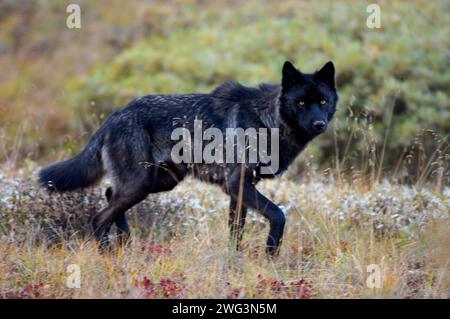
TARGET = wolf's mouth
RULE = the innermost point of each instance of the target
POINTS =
(319, 131)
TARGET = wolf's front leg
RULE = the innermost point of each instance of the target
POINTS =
(240, 188)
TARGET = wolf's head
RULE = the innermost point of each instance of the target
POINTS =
(308, 100)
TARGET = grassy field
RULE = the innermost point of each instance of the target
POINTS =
(179, 247)
(58, 84)
(371, 192)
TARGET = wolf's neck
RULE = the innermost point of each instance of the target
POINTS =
(270, 115)
(291, 144)
(292, 140)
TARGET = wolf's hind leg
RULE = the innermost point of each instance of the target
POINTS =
(123, 156)
(123, 230)
(105, 240)
(108, 194)
(123, 198)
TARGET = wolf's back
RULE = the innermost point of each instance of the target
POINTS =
(78, 172)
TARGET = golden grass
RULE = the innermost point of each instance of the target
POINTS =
(332, 235)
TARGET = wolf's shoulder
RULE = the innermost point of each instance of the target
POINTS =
(156, 106)
(166, 99)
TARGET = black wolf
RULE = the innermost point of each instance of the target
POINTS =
(134, 146)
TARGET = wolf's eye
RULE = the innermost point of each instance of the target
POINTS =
(323, 102)
(301, 103)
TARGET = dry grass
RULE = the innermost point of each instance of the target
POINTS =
(337, 225)
(180, 244)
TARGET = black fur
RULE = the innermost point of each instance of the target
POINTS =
(133, 146)
(77, 172)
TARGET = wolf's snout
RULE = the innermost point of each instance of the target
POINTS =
(319, 126)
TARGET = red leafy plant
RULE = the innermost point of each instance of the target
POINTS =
(235, 293)
(273, 288)
(156, 249)
(31, 291)
(165, 288)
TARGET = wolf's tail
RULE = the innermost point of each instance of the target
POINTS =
(80, 171)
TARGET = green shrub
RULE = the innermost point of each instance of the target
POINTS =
(404, 65)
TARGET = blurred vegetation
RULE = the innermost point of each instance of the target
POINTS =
(57, 84)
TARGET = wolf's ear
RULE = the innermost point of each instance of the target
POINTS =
(326, 74)
(291, 76)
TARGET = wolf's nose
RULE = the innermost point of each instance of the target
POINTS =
(319, 126)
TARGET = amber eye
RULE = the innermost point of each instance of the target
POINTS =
(301, 103)
(323, 102)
